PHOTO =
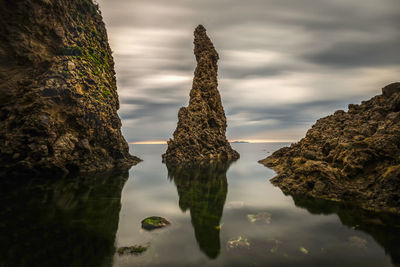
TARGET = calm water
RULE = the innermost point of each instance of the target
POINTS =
(225, 216)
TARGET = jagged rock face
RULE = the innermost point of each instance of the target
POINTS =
(58, 101)
(349, 156)
(200, 134)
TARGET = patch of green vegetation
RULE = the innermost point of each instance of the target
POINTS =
(106, 93)
(154, 222)
(71, 51)
(93, 31)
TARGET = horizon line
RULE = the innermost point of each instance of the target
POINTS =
(251, 141)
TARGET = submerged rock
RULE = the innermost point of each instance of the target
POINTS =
(132, 250)
(261, 217)
(349, 156)
(58, 93)
(154, 222)
(238, 243)
(303, 250)
(200, 134)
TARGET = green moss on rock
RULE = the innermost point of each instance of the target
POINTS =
(154, 222)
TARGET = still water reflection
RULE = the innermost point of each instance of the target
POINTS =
(232, 216)
(220, 216)
(60, 222)
(203, 191)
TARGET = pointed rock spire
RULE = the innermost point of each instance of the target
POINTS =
(200, 134)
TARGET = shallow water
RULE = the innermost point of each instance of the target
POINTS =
(225, 216)
(237, 217)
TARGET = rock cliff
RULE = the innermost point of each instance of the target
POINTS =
(200, 134)
(58, 100)
(349, 156)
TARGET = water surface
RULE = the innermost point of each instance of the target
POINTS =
(227, 215)
(232, 216)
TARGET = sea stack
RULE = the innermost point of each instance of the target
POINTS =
(351, 157)
(58, 93)
(199, 137)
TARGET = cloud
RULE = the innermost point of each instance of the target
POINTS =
(359, 54)
(283, 64)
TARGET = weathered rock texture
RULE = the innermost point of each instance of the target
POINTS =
(58, 95)
(349, 156)
(200, 134)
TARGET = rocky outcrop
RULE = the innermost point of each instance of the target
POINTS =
(200, 134)
(58, 95)
(349, 156)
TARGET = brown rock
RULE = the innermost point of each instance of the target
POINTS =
(200, 134)
(58, 95)
(350, 156)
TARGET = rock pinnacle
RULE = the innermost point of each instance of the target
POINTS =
(200, 134)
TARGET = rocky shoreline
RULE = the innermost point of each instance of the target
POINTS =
(349, 156)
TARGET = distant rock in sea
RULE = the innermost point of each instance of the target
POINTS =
(349, 156)
(200, 134)
(58, 93)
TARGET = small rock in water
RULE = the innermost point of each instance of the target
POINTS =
(303, 250)
(238, 243)
(358, 242)
(132, 250)
(154, 222)
(261, 217)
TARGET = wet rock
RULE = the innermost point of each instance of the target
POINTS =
(351, 157)
(51, 117)
(303, 250)
(132, 250)
(154, 222)
(200, 134)
(238, 243)
(262, 217)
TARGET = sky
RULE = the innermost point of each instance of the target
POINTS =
(283, 63)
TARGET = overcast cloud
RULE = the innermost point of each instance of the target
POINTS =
(283, 63)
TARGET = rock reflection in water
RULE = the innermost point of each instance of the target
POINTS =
(203, 191)
(378, 225)
(64, 222)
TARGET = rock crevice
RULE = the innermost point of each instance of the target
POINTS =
(200, 134)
